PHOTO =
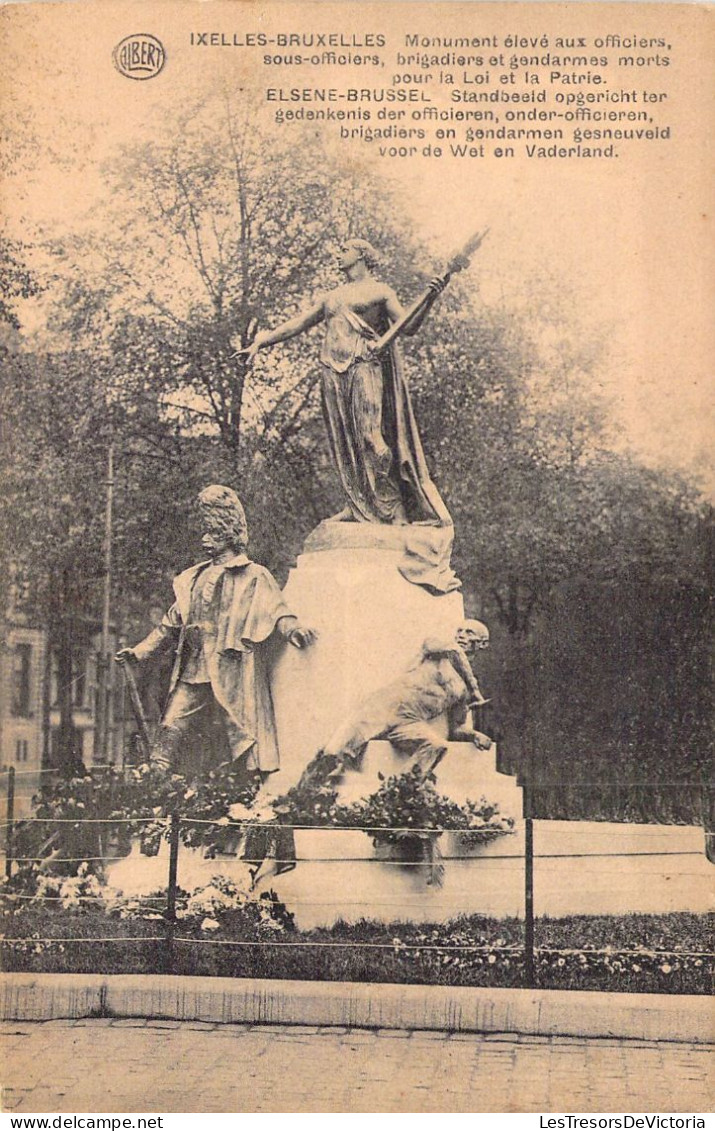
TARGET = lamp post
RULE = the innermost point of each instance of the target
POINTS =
(104, 668)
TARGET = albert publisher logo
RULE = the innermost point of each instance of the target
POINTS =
(139, 56)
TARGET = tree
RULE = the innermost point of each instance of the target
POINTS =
(196, 244)
(16, 280)
(53, 457)
(204, 237)
(218, 229)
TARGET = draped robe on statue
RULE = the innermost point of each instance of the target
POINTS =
(246, 607)
(376, 445)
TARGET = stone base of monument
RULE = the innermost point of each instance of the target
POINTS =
(581, 868)
(371, 625)
(349, 874)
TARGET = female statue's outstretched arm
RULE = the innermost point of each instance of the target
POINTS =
(288, 329)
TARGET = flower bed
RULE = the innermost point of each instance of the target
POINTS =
(88, 933)
(215, 808)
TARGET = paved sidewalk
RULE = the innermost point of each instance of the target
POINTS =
(170, 1066)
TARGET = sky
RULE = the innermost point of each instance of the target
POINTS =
(626, 240)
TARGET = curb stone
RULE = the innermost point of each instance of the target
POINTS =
(351, 1005)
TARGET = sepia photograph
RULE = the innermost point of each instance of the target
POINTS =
(356, 424)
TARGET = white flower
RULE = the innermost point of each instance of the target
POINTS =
(666, 968)
(272, 924)
(240, 812)
(260, 810)
(264, 812)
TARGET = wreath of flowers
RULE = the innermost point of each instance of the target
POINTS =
(405, 807)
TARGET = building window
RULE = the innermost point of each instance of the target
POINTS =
(22, 749)
(79, 679)
(82, 689)
(21, 681)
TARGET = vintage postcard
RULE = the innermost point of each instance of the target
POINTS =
(356, 453)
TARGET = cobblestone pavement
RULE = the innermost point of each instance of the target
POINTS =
(171, 1066)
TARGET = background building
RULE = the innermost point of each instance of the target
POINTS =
(30, 710)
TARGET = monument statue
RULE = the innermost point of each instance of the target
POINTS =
(225, 610)
(371, 426)
(440, 681)
(373, 434)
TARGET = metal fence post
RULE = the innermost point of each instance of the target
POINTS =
(528, 888)
(707, 810)
(10, 835)
(170, 913)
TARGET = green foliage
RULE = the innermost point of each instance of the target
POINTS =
(53, 458)
(311, 803)
(405, 807)
(16, 280)
(202, 237)
(407, 802)
(81, 818)
(607, 706)
(219, 905)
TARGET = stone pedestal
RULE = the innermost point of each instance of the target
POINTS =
(371, 624)
(581, 868)
(342, 875)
